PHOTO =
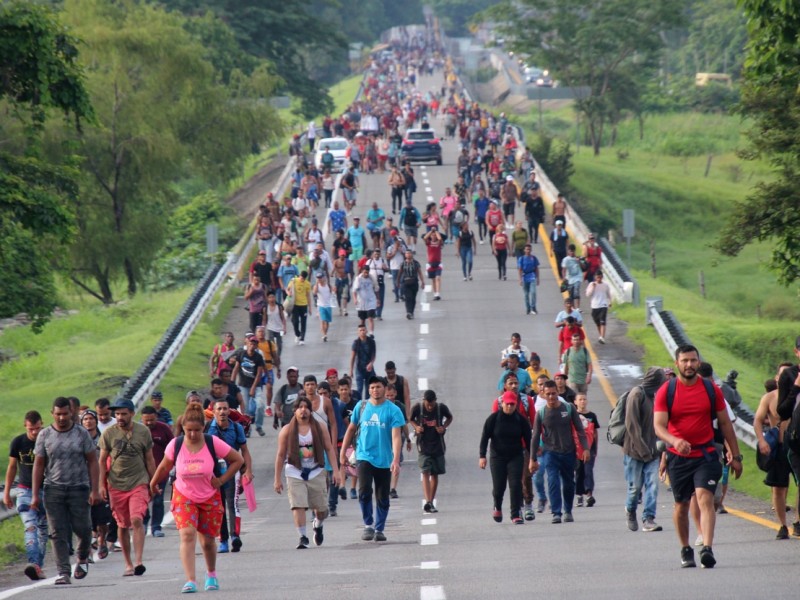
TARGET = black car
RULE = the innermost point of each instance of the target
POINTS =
(421, 145)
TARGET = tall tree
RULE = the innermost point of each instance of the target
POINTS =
(592, 44)
(39, 72)
(770, 99)
(162, 112)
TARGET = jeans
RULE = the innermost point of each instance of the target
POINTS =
(381, 297)
(35, 524)
(501, 262)
(276, 337)
(362, 377)
(584, 476)
(250, 405)
(533, 230)
(397, 199)
(299, 317)
(261, 406)
(466, 260)
(529, 293)
(410, 295)
(367, 474)
(561, 475)
(507, 470)
(483, 231)
(538, 478)
(68, 512)
(156, 511)
(228, 494)
(333, 492)
(395, 285)
(642, 475)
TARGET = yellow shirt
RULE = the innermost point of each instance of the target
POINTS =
(535, 374)
(301, 289)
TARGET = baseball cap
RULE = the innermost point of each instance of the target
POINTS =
(559, 374)
(559, 222)
(295, 369)
(342, 252)
(330, 372)
(264, 252)
(509, 397)
(121, 404)
(509, 178)
(157, 394)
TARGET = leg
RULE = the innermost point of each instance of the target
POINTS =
(708, 516)
(296, 321)
(515, 484)
(680, 518)
(81, 522)
(527, 482)
(261, 405)
(499, 470)
(157, 510)
(188, 540)
(434, 487)
(365, 475)
(55, 502)
(382, 487)
(554, 483)
(303, 322)
(209, 546)
(633, 475)
(125, 540)
(650, 478)
(567, 472)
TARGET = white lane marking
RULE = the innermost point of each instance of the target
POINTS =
(428, 521)
(430, 564)
(426, 306)
(428, 288)
(423, 354)
(431, 592)
(426, 181)
(427, 189)
(25, 588)
(422, 383)
(430, 198)
(423, 328)
(429, 539)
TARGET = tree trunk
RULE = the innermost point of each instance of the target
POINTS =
(641, 126)
(129, 273)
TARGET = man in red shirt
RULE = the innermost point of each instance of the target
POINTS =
(685, 425)
(434, 241)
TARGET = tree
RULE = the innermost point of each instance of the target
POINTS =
(598, 45)
(770, 100)
(162, 113)
(456, 15)
(39, 72)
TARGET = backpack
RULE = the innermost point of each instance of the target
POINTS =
(673, 383)
(589, 430)
(792, 435)
(410, 218)
(458, 217)
(438, 423)
(616, 421)
(209, 444)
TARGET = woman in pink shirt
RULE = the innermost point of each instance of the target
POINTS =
(196, 502)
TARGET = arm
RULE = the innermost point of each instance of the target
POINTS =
(150, 462)
(352, 361)
(397, 447)
(94, 476)
(160, 475)
(577, 424)
(11, 473)
(39, 464)
(235, 462)
(329, 451)
(660, 422)
(248, 462)
(726, 427)
(407, 397)
(758, 426)
(332, 421)
(589, 368)
(347, 441)
(103, 473)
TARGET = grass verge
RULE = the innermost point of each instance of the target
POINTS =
(12, 548)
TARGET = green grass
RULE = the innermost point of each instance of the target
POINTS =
(12, 547)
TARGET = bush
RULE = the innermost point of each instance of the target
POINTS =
(555, 157)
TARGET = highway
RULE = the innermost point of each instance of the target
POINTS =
(453, 347)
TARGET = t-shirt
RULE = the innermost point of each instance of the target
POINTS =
(430, 441)
(307, 458)
(193, 471)
(365, 351)
(356, 236)
(286, 273)
(572, 266)
(337, 218)
(248, 366)
(690, 418)
(286, 397)
(127, 450)
(522, 376)
(162, 435)
(562, 316)
(553, 427)
(365, 292)
(65, 452)
(577, 362)
(434, 251)
(21, 449)
(233, 434)
(301, 287)
(528, 265)
(375, 432)
(519, 237)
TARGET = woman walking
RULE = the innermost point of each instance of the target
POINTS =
(500, 251)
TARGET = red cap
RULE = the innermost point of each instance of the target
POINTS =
(509, 397)
(330, 372)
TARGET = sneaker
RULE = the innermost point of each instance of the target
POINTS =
(601, 339)
(223, 548)
(796, 529)
(63, 580)
(631, 517)
(393, 494)
(707, 558)
(34, 572)
(302, 342)
(236, 544)
(260, 431)
(353, 494)
(699, 540)
(318, 537)
(332, 512)
(528, 311)
(590, 501)
(650, 525)
(379, 536)
(212, 584)
(556, 519)
(533, 312)
(368, 535)
(303, 543)
(433, 508)
(517, 521)
(497, 515)
(157, 533)
(541, 505)
(579, 501)
(721, 510)
(783, 534)
(343, 493)
(437, 297)
(268, 411)
(465, 278)
(324, 338)
(687, 558)
(528, 513)
(568, 518)
(427, 508)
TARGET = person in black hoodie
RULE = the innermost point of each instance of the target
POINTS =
(510, 434)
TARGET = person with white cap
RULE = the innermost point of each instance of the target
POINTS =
(510, 195)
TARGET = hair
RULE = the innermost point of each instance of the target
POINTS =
(33, 417)
(770, 385)
(217, 381)
(785, 364)
(390, 365)
(303, 399)
(550, 384)
(514, 356)
(542, 376)
(148, 410)
(429, 395)
(516, 335)
(343, 381)
(62, 402)
(581, 395)
(102, 403)
(390, 386)
(194, 413)
(571, 247)
(685, 349)
(509, 375)
(705, 370)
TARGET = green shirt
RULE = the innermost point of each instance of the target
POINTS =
(127, 451)
(519, 237)
(577, 364)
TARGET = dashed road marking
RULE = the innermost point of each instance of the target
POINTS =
(423, 328)
(427, 189)
(422, 383)
(429, 564)
(429, 539)
(428, 288)
(428, 521)
(432, 592)
(423, 354)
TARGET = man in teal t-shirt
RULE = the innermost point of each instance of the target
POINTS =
(376, 423)
(357, 236)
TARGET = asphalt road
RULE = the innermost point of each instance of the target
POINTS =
(453, 347)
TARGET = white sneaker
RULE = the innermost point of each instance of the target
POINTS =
(296, 340)
(699, 540)
(601, 339)
(481, 242)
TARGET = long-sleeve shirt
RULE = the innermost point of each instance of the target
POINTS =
(553, 427)
(640, 435)
(508, 433)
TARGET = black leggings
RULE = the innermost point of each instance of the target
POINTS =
(507, 470)
(482, 229)
(410, 294)
(533, 230)
(299, 317)
(397, 199)
(501, 262)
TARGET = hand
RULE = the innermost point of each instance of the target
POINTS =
(34, 506)
(248, 475)
(440, 429)
(683, 447)
(104, 493)
(763, 447)
(533, 465)
(408, 445)
(662, 469)
(155, 489)
(736, 466)
(7, 500)
(482, 463)
(278, 487)
(338, 480)
(586, 456)
(419, 429)
(94, 498)
(216, 483)
(395, 467)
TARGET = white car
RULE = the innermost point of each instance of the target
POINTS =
(336, 146)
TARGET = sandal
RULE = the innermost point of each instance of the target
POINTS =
(127, 572)
(139, 570)
(190, 587)
(81, 570)
(102, 552)
(63, 580)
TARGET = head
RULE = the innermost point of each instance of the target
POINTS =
(581, 401)
(194, 421)
(252, 345)
(577, 341)
(262, 256)
(513, 362)
(332, 377)
(343, 386)
(33, 424)
(362, 329)
(550, 393)
(561, 381)
(124, 418)
(302, 409)
(508, 402)
(377, 388)
(310, 385)
(103, 408)
(62, 413)
(540, 381)
(535, 361)
(292, 374)
(149, 417)
(571, 250)
(598, 276)
(568, 305)
(687, 359)
(429, 399)
(157, 398)
(528, 250)
(516, 340)
(391, 392)
(391, 369)
(88, 420)
(193, 396)
(510, 383)
(222, 411)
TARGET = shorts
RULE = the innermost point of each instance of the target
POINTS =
(599, 315)
(778, 474)
(431, 464)
(343, 287)
(366, 314)
(268, 378)
(410, 231)
(129, 505)
(308, 494)
(205, 517)
(101, 514)
(356, 253)
(574, 290)
(508, 209)
(688, 474)
(434, 269)
(325, 314)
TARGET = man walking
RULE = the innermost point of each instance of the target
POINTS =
(641, 458)
(20, 460)
(692, 462)
(377, 424)
(600, 294)
(528, 267)
(162, 435)
(302, 446)
(578, 365)
(362, 360)
(129, 446)
(431, 419)
(66, 463)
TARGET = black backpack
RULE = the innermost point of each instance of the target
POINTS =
(410, 218)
